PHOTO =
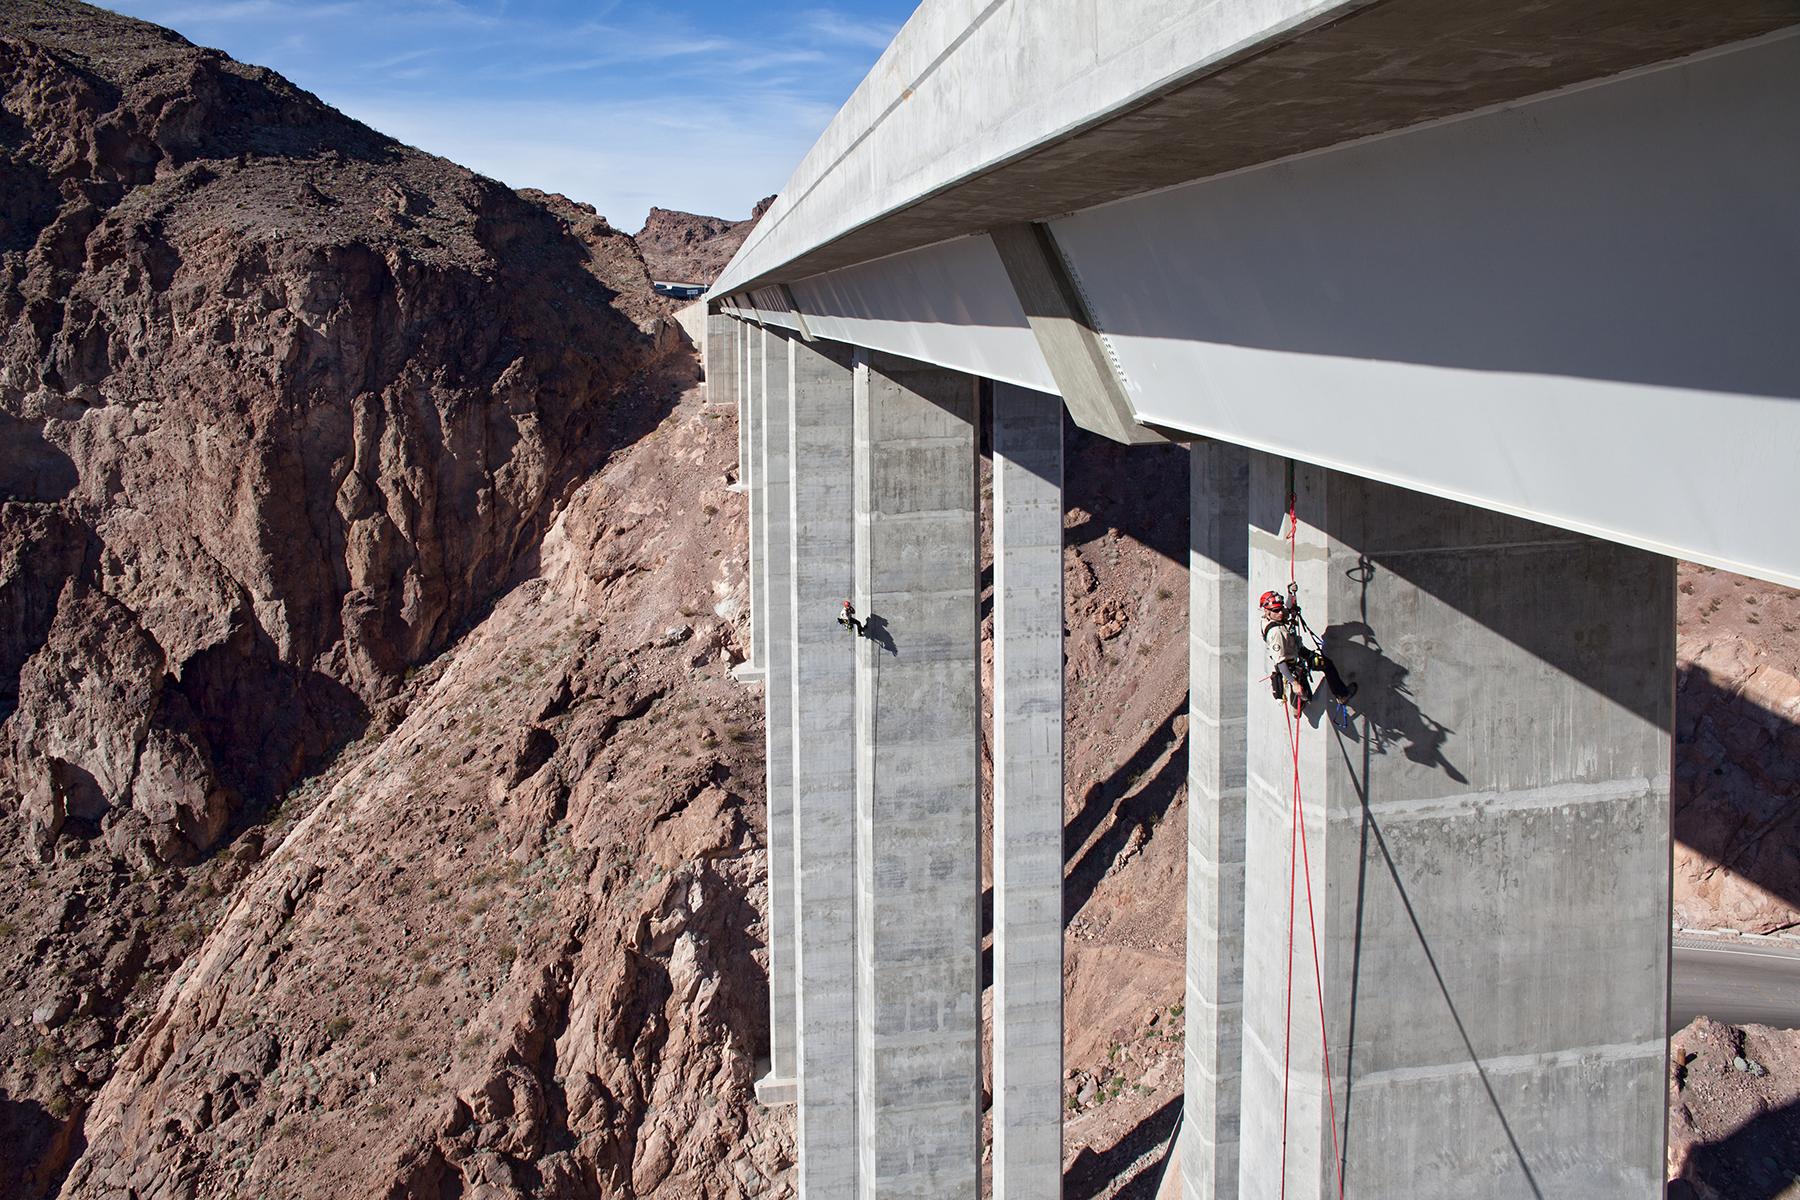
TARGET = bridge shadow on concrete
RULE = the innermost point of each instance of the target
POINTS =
(1372, 836)
(1549, 614)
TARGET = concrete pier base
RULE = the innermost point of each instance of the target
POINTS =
(1218, 656)
(1028, 793)
(1489, 849)
(778, 708)
(916, 782)
(824, 770)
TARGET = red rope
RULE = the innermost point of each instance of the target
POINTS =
(1297, 836)
(1319, 981)
(1287, 1034)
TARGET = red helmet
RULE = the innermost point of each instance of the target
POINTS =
(1271, 602)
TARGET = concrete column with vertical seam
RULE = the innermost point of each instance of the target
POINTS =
(721, 360)
(1489, 843)
(778, 1087)
(918, 927)
(755, 403)
(1218, 656)
(1028, 793)
(824, 701)
(740, 369)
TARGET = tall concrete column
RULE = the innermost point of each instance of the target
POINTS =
(918, 900)
(721, 360)
(1218, 655)
(777, 628)
(755, 403)
(1028, 793)
(740, 369)
(1489, 845)
(824, 701)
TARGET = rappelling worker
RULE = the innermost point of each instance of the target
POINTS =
(1291, 661)
(848, 620)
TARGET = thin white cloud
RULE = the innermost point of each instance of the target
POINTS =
(626, 50)
(830, 26)
(620, 157)
(248, 11)
(400, 59)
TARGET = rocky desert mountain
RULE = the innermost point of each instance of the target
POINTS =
(684, 248)
(378, 815)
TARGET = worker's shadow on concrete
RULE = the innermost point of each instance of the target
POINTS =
(875, 628)
(1389, 714)
(1372, 838)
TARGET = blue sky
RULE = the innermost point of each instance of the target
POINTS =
(702, 105)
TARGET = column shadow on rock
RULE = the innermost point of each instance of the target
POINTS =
(1739, 803)
(1092, 1171)
(1130, 809)
(1757, 1161)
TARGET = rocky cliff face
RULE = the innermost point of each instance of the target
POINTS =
(684, 248)
(282, 403)
(284, 406)
(511, 949)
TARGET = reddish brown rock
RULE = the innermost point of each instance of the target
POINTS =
(681, 247)
(282, 404)
(1734, 1111)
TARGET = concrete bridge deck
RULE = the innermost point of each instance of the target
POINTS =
(1498, 300)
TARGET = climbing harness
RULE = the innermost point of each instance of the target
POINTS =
(1297, 850)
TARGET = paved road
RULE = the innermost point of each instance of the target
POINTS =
(1735, 982)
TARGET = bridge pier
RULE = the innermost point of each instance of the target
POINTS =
(777, 624)
(917, 831)
(751, 431)
(1028, 793)
(1219, 654)
(824, 771)
(1489, 850)
(721, 360)
(740, 371)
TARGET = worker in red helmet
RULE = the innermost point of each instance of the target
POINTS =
(847, 618)
(1291, 661)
